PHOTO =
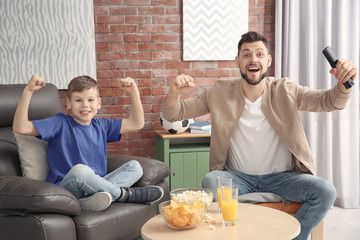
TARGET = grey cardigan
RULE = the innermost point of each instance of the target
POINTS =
(282, 100)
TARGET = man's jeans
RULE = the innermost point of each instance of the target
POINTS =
(316, 193)
(82, 180)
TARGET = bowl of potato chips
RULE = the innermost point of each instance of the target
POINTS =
(193, 194)
(182, 215)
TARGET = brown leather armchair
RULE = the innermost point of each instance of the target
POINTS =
(34, 209)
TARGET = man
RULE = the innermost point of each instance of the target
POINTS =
(257, 138)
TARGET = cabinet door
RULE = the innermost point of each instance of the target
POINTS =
(202, 166)
(183, 170)
(177, 170)
(188, 169)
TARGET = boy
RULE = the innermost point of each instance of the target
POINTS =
(77, 144)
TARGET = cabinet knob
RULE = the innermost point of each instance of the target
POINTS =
(173, 174)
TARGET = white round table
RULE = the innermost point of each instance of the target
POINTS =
(254, 222)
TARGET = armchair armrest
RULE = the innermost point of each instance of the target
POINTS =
(26, 195)
(154, 170)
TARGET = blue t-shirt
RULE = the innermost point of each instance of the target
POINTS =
(70, 143)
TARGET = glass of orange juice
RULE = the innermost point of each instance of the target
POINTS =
(220, 183)
(229, 205)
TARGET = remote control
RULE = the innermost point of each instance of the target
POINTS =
(332, 59)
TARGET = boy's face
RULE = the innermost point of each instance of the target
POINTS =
(253, 61)
(84, 105)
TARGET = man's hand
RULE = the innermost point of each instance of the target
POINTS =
(183, 84)
(36, 82)
(344, 70)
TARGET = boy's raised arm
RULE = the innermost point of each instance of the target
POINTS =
(136, 120)
(21, 123)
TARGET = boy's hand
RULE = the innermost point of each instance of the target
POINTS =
(36, 82)
(183, 84)
(128, 85)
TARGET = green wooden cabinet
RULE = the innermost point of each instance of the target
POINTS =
(186, 154)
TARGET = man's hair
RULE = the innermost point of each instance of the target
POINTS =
(80, 84)
(251, 37)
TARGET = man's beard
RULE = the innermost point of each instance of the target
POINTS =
(262, 76)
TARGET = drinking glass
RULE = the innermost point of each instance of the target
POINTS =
(220, 183)
(229, 205)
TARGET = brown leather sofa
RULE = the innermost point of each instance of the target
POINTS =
(34, 209)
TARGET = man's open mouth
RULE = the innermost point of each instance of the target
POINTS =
(253, 69)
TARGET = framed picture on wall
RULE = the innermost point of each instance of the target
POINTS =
(212, 28)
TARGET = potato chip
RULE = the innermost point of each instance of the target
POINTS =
(183, 214)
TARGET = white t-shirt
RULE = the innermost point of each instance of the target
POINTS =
(254, 146)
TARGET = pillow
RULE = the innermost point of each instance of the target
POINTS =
(260, 197)
(32, 154)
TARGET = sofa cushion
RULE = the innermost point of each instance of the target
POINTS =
(154, 171)
(92, 225)
(9, 157)
(44, 102)
(25, 195)
(32, 154)
(43, 226)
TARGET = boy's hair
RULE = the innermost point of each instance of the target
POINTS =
(251, 37)
(80, 84)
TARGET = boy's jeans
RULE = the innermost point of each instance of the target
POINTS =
(317, 194)
(82, 180)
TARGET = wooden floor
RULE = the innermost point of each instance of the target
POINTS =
(342, 224)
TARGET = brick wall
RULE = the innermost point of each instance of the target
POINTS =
(142, 39)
